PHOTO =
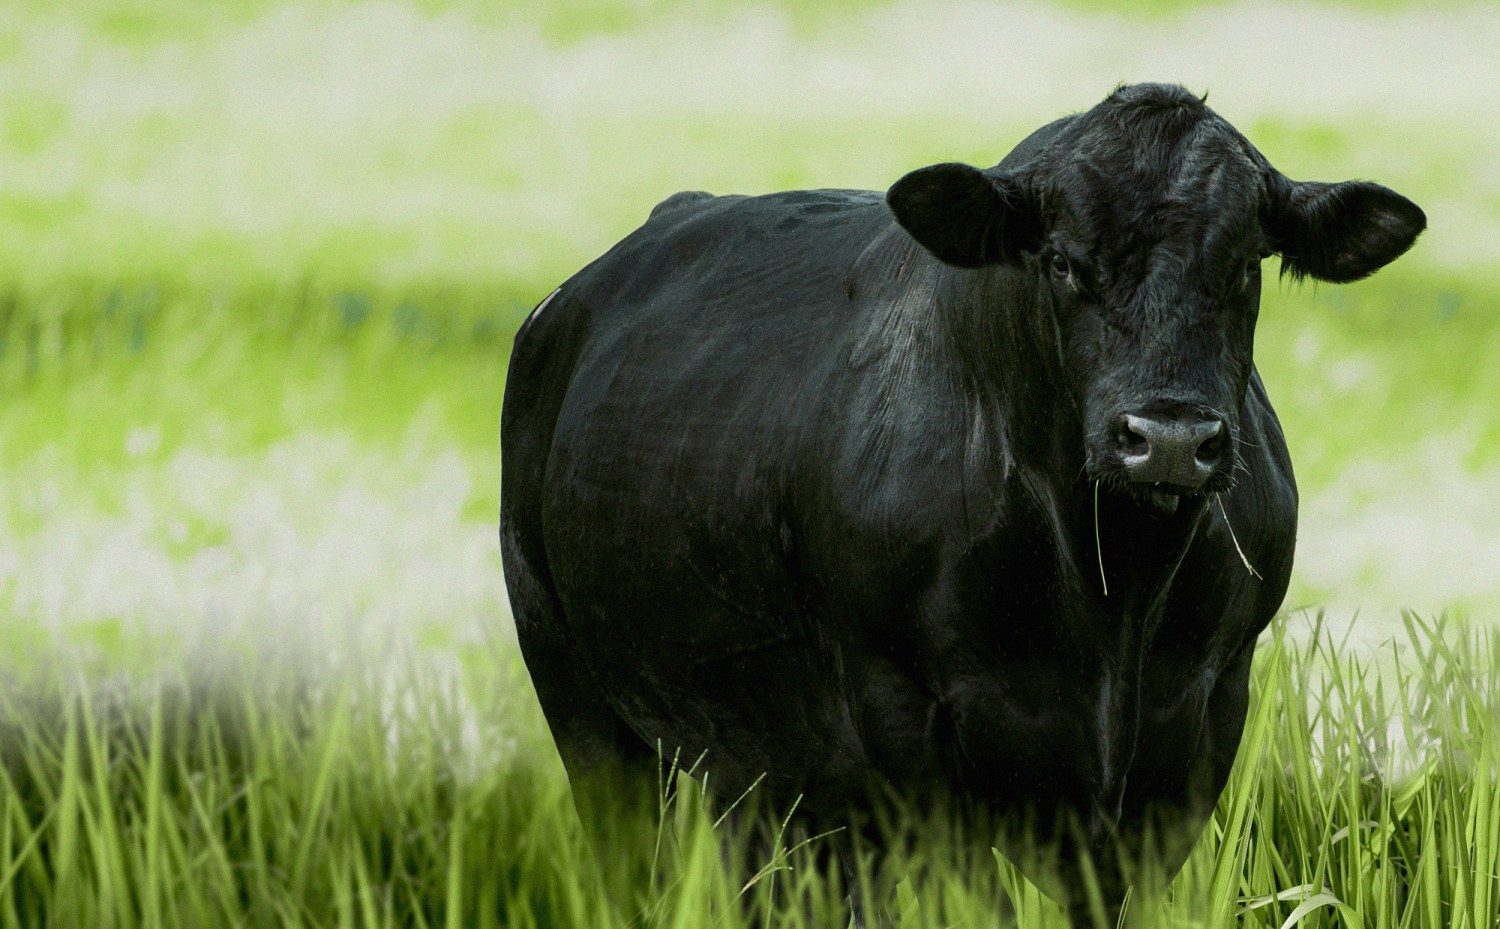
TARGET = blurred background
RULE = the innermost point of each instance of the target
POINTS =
(261, 261)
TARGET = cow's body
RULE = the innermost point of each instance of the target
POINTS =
(779, 489)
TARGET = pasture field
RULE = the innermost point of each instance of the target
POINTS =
(429, 796)
(260, 265)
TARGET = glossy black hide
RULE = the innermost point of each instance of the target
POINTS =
(807, 482)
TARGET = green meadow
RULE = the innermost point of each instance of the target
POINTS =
(260, 266)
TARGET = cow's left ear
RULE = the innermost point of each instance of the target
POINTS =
(1341, 232)
(965, 216)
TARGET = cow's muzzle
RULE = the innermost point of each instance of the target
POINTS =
(1182, 452)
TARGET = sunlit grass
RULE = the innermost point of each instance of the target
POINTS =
(405, 141)
(427, 794)
(115, 392)
(259, 268)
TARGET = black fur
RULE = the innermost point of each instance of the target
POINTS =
(1342, 232)
(964, 216)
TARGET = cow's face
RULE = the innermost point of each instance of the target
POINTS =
(1143, 225)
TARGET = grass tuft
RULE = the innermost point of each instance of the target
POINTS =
(1365, 795)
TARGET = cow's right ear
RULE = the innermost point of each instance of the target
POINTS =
(1341, 232)
(966, 217)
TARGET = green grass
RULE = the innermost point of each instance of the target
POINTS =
(258, 277)
(1358, 373)
(428, 795)
(488, 145)
(563, 21)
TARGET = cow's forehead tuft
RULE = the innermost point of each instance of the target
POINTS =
(1154, 107)
(1152, 146)
(1131, 184)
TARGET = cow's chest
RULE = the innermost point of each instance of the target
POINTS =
(1006, 674)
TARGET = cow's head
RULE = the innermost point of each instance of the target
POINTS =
(1143, 224)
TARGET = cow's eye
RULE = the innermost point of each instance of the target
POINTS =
(1059, 265)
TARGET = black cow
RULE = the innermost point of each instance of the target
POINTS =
(970, 486)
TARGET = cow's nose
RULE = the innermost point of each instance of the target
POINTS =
(1178, 451)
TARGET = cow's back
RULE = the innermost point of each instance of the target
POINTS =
(654, 408)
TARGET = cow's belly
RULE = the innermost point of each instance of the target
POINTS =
(668, 559)
(694, 675)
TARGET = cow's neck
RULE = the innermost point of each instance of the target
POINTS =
(1004, 341)
(989, 335)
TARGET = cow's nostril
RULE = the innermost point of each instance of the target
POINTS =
(1131, 443)
(1212, 448)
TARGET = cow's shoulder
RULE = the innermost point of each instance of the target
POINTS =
(682, 198)
(784, 211)
(802, 228)
(700, 248)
